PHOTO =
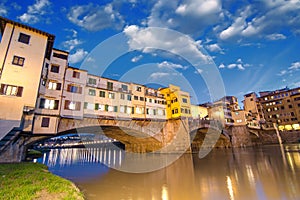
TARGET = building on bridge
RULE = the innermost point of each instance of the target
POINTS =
(281, 107)
(24, 53)
(178, 102)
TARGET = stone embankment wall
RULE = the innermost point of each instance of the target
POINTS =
(14, 152)
(270, 136)
(240, 136)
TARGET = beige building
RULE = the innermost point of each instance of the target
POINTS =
(138, 101)
(281, 107)
(23, 52)
(49, 101)
(199, 112)
(155, 104)
(73, 93)
(239, 117)
(107, 97)
(251, 108)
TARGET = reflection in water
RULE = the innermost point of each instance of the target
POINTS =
(251, 173)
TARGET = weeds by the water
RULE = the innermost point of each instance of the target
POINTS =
(34, 181)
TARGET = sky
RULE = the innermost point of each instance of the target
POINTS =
(208, 47)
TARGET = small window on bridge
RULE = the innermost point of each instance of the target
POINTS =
(45, 122)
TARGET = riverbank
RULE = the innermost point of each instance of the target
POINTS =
(34, 181)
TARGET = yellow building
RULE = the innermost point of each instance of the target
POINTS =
(23, 52)
(178, 102)
(199, 112)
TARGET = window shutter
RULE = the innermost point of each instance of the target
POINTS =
(42, 103)
(20, 91)
(56, 103)
(58, 86)
(2, 87)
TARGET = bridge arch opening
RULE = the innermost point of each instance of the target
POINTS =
(198, 135)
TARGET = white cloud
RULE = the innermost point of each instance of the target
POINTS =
(276, 36)
(158, 75)
(71, 44)
(90, 59)
(239, 64)
(136, 58)
(35, 12)
(214, 48)
(282, 72)
(94, 17)
(78, 56)
(187, 16)
(295, 66)
(237, 26)
(222, 66)
(149, 39)
(262, 19)
(3, 10)
(29, 18)
(170, 65)
(198, 71)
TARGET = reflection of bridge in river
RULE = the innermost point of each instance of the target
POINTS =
(83, 156)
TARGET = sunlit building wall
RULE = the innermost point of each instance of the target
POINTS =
(138, 101)
(73, 93)
(49, 100)
(178, 102)
(155, 104)
(23, 52)
(280, 107)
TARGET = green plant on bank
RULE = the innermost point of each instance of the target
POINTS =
(33, 181)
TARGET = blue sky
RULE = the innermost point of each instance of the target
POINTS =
(254, 45)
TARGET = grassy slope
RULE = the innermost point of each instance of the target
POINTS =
(34, 181)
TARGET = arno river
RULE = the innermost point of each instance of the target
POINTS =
(267, 172)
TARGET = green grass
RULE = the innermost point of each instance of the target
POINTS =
(33, 181)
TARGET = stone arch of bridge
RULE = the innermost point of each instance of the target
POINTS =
(134, 141)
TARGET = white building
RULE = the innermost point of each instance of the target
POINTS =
(23, 53)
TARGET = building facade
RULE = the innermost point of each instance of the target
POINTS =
(280, 107)
(177, 101)
(24, 51)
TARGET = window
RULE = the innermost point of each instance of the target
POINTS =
(11, 90)
(154, 112)
(24, 38)
(136, 98)
(92, 81)
(102, 94)
(45, 122)
(115, 108)
(184, 100)
(122, 96)
(54, 68)
(141, 98)
(290, 106)
(124, 87)
(111, 95)
(150, 100)
(110, 85)
(18, 60)
(74, 89)
(76, 74)
(72, 105)
(54, 85)
(138, 88)
(92, 92)
(266, 98)
(129, 97)
(50, 104)
(297, 99)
